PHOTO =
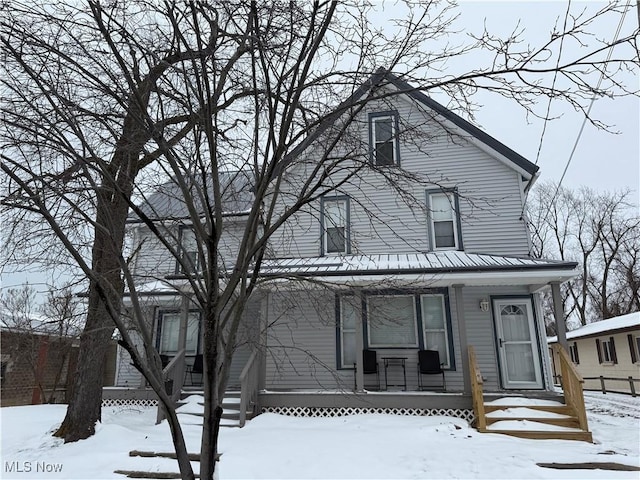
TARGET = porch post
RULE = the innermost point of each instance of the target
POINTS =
(462, 334)
(558, 312)
(184, 320)
(359, 340)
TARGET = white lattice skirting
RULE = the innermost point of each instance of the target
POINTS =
(129, 402)
(464, 414)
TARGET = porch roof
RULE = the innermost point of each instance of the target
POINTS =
(437, 268)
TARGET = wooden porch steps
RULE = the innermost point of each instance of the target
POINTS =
(530, 417)
(556, 422)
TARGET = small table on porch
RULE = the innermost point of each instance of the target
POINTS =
(398, 362)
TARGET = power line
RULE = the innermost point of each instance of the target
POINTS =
(586, 117)
(553, 84)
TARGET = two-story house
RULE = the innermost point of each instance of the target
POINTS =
(426, 250)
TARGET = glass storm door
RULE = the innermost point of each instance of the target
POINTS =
(517, 346)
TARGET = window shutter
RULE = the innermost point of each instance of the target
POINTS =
(575, 348)
(599, 350)
(632, 349)
(614, 357)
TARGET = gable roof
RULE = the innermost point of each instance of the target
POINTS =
(167, 201)
(610, 325)
(382, 76)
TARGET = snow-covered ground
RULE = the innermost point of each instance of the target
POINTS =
(359, 446)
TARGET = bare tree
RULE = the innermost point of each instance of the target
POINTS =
(598, 230)
(186, 93)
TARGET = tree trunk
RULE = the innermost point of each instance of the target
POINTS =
(105, 291)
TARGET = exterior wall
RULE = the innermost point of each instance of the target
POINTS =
(153, 262)
(247, 337)
(590, 367)
(490, 196)
(33, 359)
(302, 353)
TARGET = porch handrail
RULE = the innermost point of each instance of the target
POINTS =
(173, 374)
(476, 390)
(248, 386)
(572, 386)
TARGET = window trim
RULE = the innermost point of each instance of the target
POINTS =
(159, 324)
(373, 116)
(416, 294)
(449, 361)
(634, 347)
(323, 229)
(452, 194)
(182, 250)
(574, 354)
(606, 349)
(339, 333)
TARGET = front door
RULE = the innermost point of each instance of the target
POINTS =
(517, 346)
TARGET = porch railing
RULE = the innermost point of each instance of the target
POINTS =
(476, 390)
(248, 387)
(572, 386)
(173, 376)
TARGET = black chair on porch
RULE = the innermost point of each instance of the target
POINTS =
(429, 364)
(196, 367)
(369, 366)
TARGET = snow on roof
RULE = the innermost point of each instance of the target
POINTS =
(167, 201)
(616, 323)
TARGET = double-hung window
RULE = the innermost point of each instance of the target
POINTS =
(188, 251)
(169, 331)
(347, 332)
(383, 128)
(634, 348)
(444, 225)
(335, 225)
(434, 324)
(606, 350)
(392, 321)
(573, 351)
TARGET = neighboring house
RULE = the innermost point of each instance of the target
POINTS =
(609, 349)
(449, 272)
(38, 367)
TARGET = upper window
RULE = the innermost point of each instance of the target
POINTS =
(444, 221)
(391, 321)
(383, 137)
(335, 223)
(188, 251)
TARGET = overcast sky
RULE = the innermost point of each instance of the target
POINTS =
(602, 161)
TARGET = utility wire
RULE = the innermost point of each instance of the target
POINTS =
(586, 117)
(553, 84)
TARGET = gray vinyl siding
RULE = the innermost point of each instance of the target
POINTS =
(153, 260)
(481, 329)
(490, 195)
(302, 343)
(127, 374)
(301, 351)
